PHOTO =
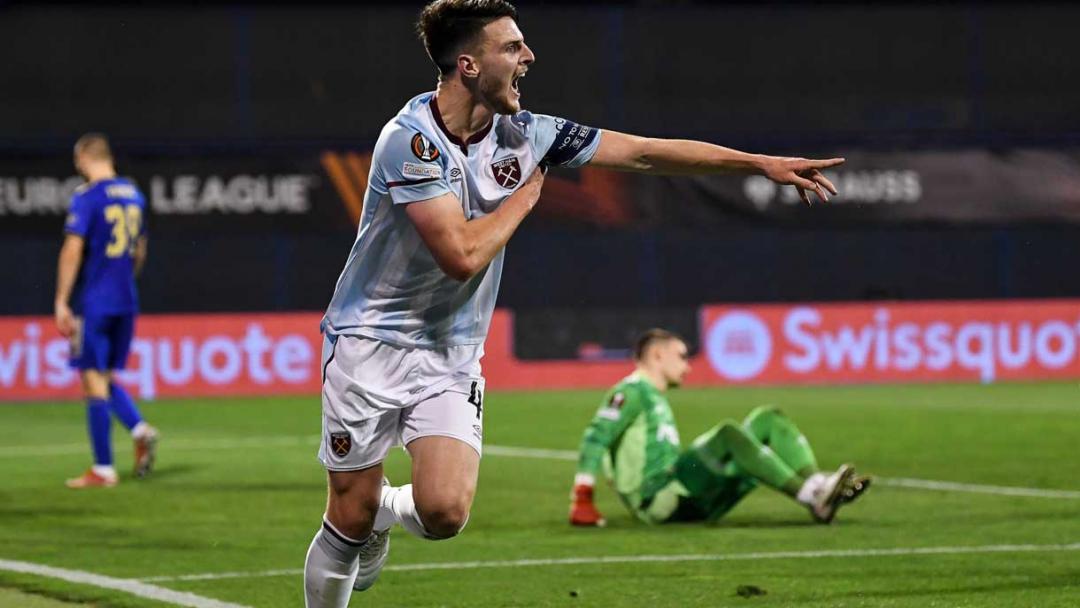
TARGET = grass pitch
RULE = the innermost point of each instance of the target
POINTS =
(238, 492)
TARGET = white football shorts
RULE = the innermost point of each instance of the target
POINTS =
(376, 395)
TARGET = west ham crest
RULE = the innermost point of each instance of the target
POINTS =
(340, 443)
(507, 172)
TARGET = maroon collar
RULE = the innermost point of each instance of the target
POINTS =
(464, 145)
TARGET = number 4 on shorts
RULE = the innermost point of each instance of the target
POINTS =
(476, 397)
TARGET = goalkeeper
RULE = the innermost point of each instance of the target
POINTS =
(634, 438)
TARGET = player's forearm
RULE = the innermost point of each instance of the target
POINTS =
(591, 455)
(66, 271)
(625, 152)
(139, 259)
(686, 157)
(484, 237)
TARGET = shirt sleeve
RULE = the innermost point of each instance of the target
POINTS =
(78, 217)
(564, 143)
(410, 165)
(610, 422)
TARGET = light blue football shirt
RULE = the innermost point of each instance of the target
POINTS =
(392, 289)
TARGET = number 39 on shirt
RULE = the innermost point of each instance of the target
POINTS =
(126, 222)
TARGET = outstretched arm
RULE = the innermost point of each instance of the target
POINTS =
(625, 152)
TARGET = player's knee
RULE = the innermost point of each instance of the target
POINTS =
(352, 512)
(727, 427)
(731, 432)
(445, 519)
(762, 417)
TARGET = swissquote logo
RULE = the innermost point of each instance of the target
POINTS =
(739, 345)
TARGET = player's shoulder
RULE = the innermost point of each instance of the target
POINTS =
(87, 197)
(411, 131)
(122, 188)
(633, 387)
(514, 129)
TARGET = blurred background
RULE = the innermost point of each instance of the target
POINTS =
(249, 127)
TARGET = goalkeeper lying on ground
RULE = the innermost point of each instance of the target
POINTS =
(634, 438)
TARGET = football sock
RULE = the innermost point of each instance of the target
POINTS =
(106, 471)
(330, 568)
(809, 488)
(123, 407)
(731, 442)
(398, 503)
(771, 427)
(100, 427)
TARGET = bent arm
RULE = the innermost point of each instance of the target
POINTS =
(463, 247)
(625, 152)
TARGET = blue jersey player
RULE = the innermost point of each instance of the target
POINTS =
(452, 176)
(104, 249)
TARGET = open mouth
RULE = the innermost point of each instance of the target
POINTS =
(515, 83)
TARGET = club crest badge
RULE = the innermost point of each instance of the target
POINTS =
(423, 149)
(340, 444)
(507, 172)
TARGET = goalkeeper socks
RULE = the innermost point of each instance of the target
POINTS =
(755, 459)
(771, 427)
(123, 406)
(808, 491)
(100, 427)
(330, 568)
(397, 505)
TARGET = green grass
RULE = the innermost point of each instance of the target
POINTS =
(238, 489)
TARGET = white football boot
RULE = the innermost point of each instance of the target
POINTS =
(373, 554)
(829, 495)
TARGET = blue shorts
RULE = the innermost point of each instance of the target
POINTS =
(102, 342)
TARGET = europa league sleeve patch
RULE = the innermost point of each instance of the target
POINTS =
(423, 149)
(340, 444)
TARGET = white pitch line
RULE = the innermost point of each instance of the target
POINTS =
(515, 452)
(635, 559)
(950, 486)
(175, 444)
(134, 587)
(519, 452)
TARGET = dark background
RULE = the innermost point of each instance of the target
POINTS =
(272, 81)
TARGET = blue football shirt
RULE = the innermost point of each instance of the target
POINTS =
(109, 215)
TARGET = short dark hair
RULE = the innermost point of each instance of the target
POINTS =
(445, 26)
(650, 337)
(94, 145)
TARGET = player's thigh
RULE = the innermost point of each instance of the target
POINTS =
(444, 475)
(90, 345)
(443, 434)
(120, 330)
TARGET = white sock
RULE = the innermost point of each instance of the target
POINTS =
(105, 470)
(142, 429)
(330, 568)
(809, 488)
(397, 504)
